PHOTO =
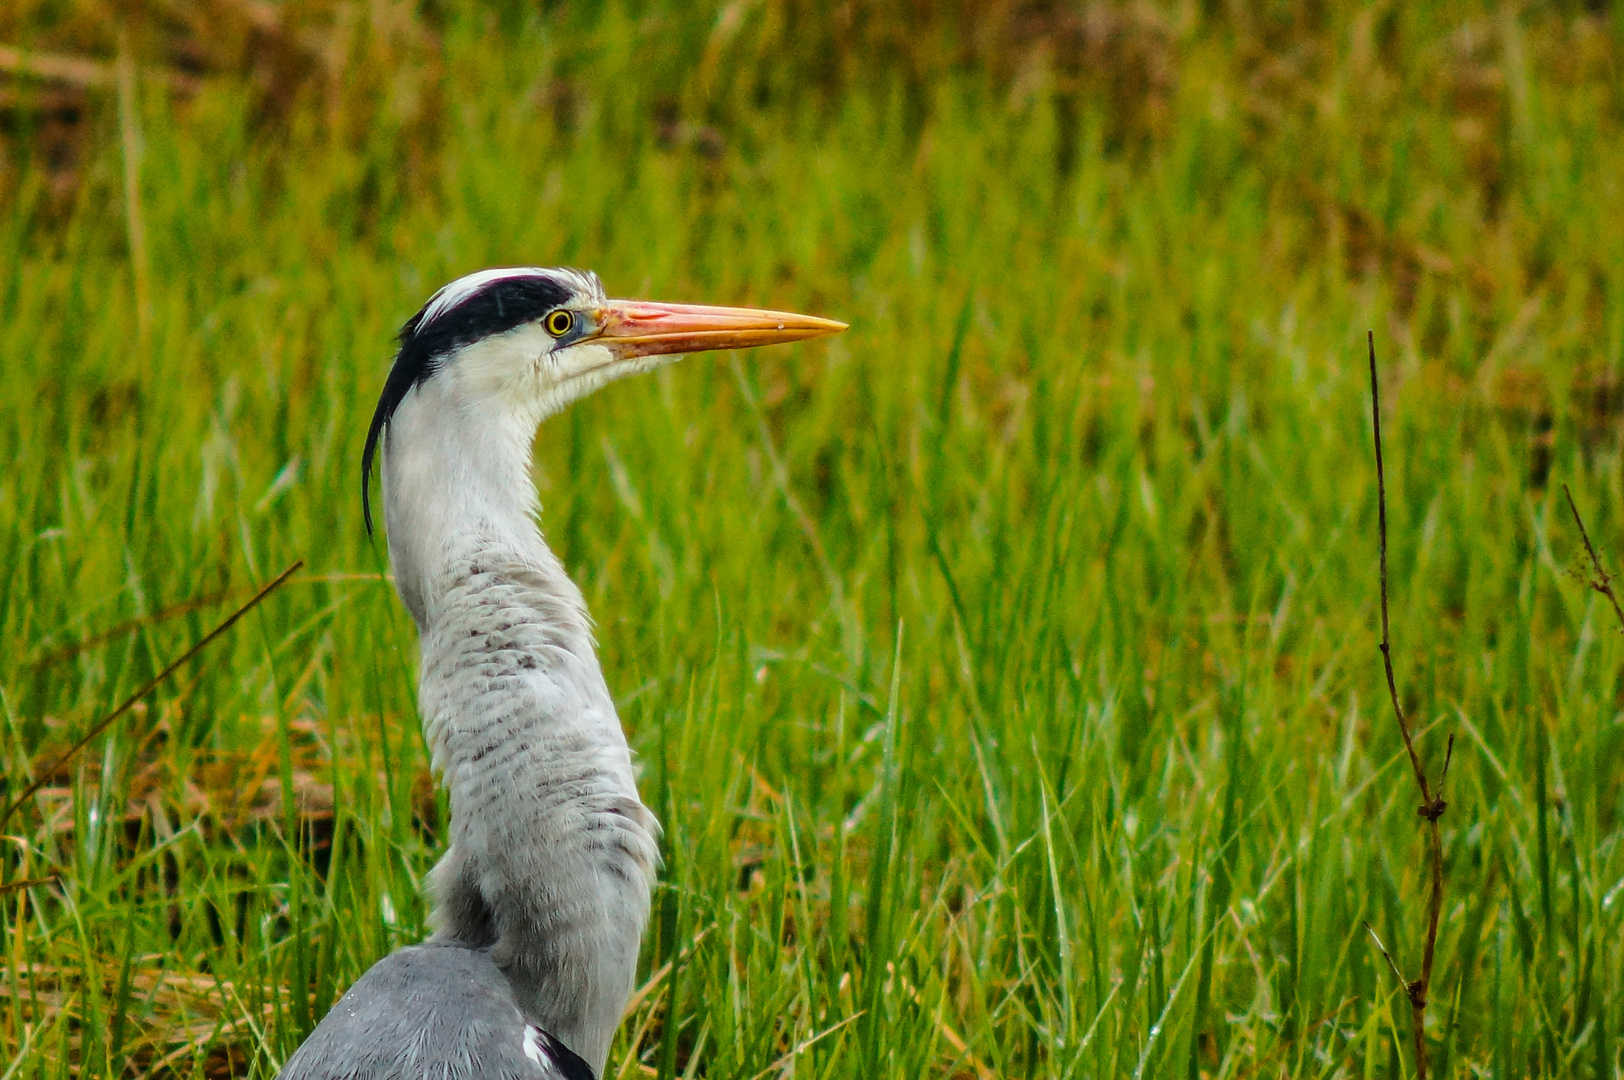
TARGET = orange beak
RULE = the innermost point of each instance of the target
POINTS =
(640, 328)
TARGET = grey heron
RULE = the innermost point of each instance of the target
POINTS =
(539, 902)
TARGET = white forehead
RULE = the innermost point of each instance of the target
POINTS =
(454, 293)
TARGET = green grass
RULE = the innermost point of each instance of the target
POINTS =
(1004, 670)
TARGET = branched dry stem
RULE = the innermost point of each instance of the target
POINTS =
(1432, 803)
(1602, 582)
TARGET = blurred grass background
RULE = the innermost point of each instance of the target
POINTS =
(1004, 671)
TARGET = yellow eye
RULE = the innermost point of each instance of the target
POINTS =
(559, 323)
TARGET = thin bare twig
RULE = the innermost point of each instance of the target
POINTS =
(129, 626)
(1397, 974)
(1603, 581)
(1381, 525)
(152, 684)
(27, 883)
(1432, 806)
(185, 607)
(82, 72)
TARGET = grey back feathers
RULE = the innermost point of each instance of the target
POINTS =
(432, 1011)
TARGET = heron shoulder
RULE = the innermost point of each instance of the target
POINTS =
(440, 1010)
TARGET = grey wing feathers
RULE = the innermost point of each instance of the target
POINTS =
(431, 1012)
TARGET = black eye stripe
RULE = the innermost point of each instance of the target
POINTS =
(495, 308)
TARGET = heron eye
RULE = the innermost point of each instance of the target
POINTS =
(560, 322)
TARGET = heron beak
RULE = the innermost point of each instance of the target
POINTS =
(639, 328)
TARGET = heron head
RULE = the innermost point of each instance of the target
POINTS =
(530, 340)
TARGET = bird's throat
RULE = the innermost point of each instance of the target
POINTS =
(552, 852)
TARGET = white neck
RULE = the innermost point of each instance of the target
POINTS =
(456, 474)
(552, 853)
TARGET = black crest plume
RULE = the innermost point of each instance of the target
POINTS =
(495, 307)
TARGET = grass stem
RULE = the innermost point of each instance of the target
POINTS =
(1432, 808)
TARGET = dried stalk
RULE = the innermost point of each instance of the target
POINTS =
(82, 72)
(152, 684)
(1432, 805)
(1603, 581)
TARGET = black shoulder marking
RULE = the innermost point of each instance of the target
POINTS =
(494, 308)
(572, 1065)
